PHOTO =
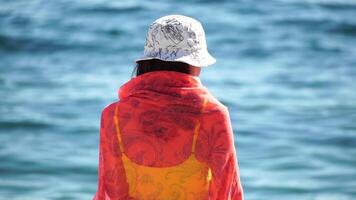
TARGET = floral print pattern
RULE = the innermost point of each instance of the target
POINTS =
(158, 114)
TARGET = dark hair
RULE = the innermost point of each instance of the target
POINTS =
(145, 66)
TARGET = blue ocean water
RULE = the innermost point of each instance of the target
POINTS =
(285, 69)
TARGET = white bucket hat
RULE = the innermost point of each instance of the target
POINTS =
(177, 38)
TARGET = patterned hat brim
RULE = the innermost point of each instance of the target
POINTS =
(199, 58)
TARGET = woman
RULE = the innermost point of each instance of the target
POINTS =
(168, 137)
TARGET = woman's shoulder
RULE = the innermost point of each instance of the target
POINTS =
(109, 109)
(214, 105)
(216, 113)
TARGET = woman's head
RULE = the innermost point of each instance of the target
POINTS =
(145, 66)
(175, 42)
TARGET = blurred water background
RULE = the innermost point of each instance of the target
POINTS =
(286, 70)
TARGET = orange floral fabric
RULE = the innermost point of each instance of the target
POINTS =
(158, 112)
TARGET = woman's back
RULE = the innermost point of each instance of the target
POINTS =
(157, 117)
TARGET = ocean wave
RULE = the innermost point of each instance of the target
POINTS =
(108, 9)
(10, 43)
(24, 124)
(337, 5)
(346, 29)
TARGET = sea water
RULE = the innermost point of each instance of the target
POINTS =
(285, 69)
